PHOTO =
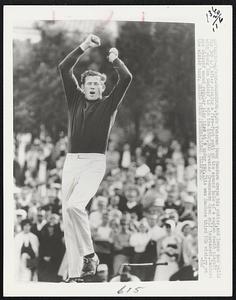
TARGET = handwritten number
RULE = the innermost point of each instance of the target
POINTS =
(215, 14)
(136, 290)
(121, 290)
(214, 10)
(129, 290)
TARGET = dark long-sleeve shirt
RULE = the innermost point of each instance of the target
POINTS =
(90, 121)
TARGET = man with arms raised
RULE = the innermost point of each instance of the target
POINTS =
(90, 118)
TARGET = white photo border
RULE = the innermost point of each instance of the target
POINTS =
(149, 13)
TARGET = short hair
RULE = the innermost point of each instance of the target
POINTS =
(92, 73)
(24, 222)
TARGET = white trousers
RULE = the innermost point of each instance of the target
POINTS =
(81, 177)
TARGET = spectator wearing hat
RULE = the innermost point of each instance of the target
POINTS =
(26, 253)
(21, 215)
(168, 250)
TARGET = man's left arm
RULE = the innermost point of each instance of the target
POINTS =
(124, 79)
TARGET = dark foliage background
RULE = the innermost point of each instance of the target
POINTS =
(161, 99)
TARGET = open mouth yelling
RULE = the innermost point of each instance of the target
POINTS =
(92, 93)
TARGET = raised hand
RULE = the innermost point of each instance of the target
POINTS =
(113, 54)
(91, 41)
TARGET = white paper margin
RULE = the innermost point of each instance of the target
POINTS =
(183, 14)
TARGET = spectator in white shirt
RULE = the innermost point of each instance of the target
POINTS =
(156, 232)
(139, 241)
(26, 253)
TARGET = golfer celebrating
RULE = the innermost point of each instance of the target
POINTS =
(90, 118)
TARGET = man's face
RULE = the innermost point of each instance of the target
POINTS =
(152, 220)
(93, 87)
(39, 218)
(131, 195)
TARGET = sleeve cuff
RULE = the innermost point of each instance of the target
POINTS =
(81, 49)
(117, 62)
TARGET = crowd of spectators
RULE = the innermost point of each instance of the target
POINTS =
(145, 211)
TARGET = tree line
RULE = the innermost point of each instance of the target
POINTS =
(161, 98)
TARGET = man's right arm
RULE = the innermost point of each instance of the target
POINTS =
(67, 65)
(66, 69)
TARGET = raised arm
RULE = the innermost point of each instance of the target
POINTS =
(124, 79)
(67, 65)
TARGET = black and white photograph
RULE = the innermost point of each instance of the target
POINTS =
(105, 152)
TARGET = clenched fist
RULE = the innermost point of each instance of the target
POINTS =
(113, 54)
(91, 41)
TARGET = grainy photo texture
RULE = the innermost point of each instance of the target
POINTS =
(105, 160)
